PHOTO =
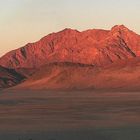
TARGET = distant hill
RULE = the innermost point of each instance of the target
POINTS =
(70, 76)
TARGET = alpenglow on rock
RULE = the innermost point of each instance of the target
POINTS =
(96, 47)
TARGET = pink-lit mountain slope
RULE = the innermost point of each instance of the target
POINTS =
(118, 76)
(96, 47)
(95, 59)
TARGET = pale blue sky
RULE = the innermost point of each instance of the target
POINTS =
(24, 21)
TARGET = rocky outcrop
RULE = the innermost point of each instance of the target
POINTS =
(9, 77)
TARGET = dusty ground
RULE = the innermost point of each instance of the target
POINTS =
(69, 115)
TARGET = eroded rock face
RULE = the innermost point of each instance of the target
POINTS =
(97, 47)
(9, 77)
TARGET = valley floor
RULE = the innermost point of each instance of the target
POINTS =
(69, 115)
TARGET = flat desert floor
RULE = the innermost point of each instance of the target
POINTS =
(69, 115)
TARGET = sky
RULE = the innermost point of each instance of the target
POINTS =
(24, 21)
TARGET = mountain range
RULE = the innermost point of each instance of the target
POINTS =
(70, 59)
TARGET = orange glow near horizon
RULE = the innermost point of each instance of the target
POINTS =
(24, 21)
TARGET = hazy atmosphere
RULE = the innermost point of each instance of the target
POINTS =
(81, 81)
(24, 21)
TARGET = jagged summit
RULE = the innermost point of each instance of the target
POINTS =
(119, 27)
(98, 47)
(69, 30)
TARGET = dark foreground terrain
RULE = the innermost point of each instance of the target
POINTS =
(69, 115)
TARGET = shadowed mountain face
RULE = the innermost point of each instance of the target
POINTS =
(98, 47)
(9, 77)
(72, 59)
